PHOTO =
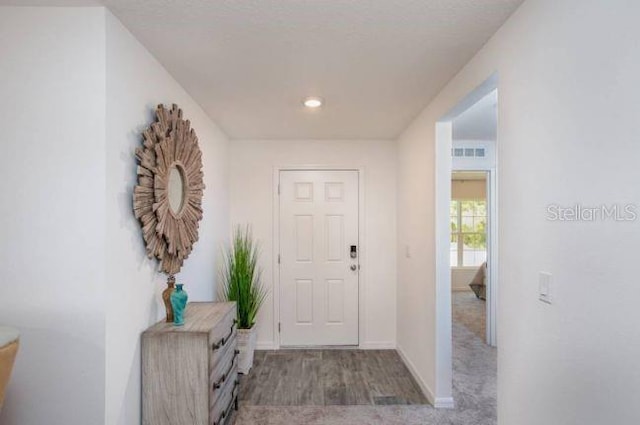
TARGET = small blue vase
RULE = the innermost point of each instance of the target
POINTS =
(179, 304)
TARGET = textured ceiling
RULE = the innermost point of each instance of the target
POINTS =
(249, 63)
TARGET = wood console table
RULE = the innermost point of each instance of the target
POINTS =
(190, 372)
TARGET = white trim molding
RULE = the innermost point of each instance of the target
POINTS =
(444, 403)
(378, 345)
(266, 345)
(428, 393)
(443, 166)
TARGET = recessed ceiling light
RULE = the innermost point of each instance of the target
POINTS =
(313, 102)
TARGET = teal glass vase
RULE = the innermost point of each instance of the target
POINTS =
(179, 304)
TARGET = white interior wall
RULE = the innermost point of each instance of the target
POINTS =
(479, 122)
(52, 233)
(136, 83)
(461, 277)
(252, 165)
(79, 286)
(568, 107)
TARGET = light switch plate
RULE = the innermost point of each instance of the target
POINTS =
(544, 288)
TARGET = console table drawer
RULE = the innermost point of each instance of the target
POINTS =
(223, 371)
(221, 410)
(221, 338)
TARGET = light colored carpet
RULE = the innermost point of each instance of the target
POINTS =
(470, 313)
(474, 386)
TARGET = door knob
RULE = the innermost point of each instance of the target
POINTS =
(353, 267)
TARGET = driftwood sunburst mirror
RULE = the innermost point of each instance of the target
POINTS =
(168, 197)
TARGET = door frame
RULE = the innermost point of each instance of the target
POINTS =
(492, 255)
(492, 250)
(361, 245)
(443, 167)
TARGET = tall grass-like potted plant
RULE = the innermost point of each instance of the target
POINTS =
(241, 283)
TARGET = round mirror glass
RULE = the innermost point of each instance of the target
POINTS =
(175, 189)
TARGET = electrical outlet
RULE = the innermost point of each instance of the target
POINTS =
(544, 288)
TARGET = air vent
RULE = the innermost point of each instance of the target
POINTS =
(468, 152)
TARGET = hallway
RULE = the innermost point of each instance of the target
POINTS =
(474, 385)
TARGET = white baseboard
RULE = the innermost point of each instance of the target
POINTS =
(375, 345)
(444, 403)
(438, 403)
(378, 345)
(266, 345)
(412, 368)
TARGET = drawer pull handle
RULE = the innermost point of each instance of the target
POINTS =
(224, 376)
(224, 340)
(226, 413)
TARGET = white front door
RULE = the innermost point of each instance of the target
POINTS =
(319, 258)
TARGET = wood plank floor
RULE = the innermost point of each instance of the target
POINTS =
(329, 378)
(474, 387)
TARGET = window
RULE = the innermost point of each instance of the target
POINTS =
(468, 233)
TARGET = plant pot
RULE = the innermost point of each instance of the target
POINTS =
(246, 347)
